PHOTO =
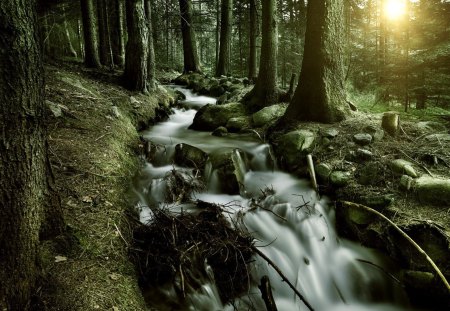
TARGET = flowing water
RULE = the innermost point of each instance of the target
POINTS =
(293, 227)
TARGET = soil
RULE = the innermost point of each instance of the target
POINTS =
(93, 148)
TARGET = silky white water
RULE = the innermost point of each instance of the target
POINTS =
(292, 226)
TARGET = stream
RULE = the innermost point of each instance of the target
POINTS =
(293, 226)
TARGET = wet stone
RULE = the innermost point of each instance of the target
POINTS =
(220, 131)
(362, 139)
(323, 171)
(340, 178)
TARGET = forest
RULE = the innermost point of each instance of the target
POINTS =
(224, 155)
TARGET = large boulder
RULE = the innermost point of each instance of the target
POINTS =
(229, 166)
(210, 117)
(292, 148)
(268, 115)
(433, 191)
(238, 124)
(190, 156)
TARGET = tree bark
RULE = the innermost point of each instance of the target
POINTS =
(265, 92)
(91, 58)
(117, 32)
(151, 62)
(72, 51)
(226, 20)
(135, 76)
(24, 165)
(320, 94)
(252, 75)
(191, 60)
(103, 32)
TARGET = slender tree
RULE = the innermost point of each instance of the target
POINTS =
(91, 58)
(135, 76)
(25, 172)
(265, 92)
(226, 20)
(320, 94)
(106, 57)
(191, 59)
(117, 32)
(151, 62)
(252, 58)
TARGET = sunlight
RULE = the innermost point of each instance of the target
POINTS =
(395, 9)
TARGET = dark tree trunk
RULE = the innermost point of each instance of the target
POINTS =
(117, 32)
(320, 94)
(191, 60)
(103, 32)
(252, 75)
(91, 58)
(226, 20)
(135, 76)
(72, 51)
(24, 165)
(151, 62)
(265, 92)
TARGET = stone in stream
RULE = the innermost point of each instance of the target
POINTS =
(292, 148)
(433, 191)
(238, 124)
(190, 156)
(220, 131)
(268, 115)
(323, 172)
(402, 167)
(362, 139)
(230, 165)
(210, 117)
(217, 91)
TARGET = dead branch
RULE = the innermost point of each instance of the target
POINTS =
(280, 273)
(266, 293)
(406, 236)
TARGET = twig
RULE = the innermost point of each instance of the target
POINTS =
(418, 163)
(280, 273)
(312, 173)
(266, 293)
(406, 236)
(270, 211)
(101, 136)
(120, 234)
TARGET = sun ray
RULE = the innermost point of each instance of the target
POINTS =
(395, 9)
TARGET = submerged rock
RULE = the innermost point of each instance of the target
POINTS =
(433, 190)
(268, 115)
(190, 156)
(293, 147)
(209, 117)
(220, 131)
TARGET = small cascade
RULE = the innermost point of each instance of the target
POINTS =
(289, 223)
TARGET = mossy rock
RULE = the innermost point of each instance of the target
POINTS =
(210, 117)
(268, 115)
(190, 156)
(433, 190)
(238, 124)
(292, 148)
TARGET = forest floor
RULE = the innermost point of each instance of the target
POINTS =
(94, 147)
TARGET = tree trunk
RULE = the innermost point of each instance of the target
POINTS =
(265, 92)
(191, 60)
(320, 94)
(226, 20)
(252, 75)
(103, 32)
(117, 32)
(72, 51)
(23, 154)
(91, 58)
(151, 62)
(135, 76)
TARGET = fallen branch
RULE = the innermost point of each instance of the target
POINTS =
(406, 236)
(266, 293)
(280, 273)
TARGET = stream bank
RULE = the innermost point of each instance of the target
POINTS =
(93, 143)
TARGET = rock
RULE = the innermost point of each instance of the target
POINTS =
(362, 139)
(340, 178)
(438, 138)
(401, 167)
(376, 133)
(115, 112)
(246, 81)
(406, 182)
(230, 165)
(180, 95)
(329, 133)
(222, 99)
(430, 127)
(220, 131)
(209, 117)
(189, 156)
(433, 190)
(390, 122)
(54, 108)
(293, 147)
(323, 171)
(238, 124)
(370, 174)
(363, 154)
(377, 202)
(217, 91)
(268, 115)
